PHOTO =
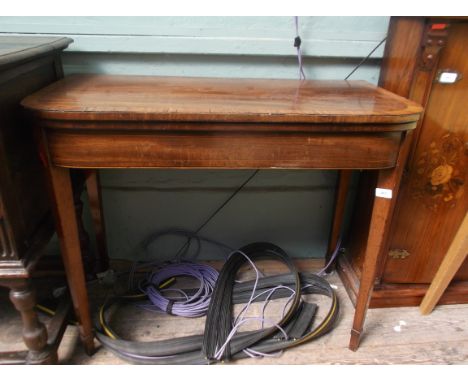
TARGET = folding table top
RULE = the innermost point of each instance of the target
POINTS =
(148, 98)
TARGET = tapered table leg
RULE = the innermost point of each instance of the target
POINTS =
(379, 225)
(93, 186)
(67, 230)
(342, 189)
(87, 254)
(386, 191)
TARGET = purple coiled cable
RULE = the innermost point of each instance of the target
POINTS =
(195, 305)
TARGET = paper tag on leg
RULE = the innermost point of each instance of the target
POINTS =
(383, 193)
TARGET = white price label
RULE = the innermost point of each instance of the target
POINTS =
(383, 193)
(448, 77)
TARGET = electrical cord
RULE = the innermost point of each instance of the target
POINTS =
(218, 323)
(221, 206)
(187, 350)
(190, 235)
(152, 238)
(196, 304)
(297, 45)
(366, 58)
(296, 323)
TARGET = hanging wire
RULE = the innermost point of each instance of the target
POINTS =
(215, 213)
(366, 58)
(297, 45)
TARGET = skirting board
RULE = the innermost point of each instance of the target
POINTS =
(396, 295)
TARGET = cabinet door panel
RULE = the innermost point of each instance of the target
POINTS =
(434, 198)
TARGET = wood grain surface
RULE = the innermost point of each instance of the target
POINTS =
(147, 98)
(456, 254)
(98, 149)
(433, 199)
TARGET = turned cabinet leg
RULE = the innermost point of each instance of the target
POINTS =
(34, 332)
(67, 230)
(344, 179)
(93, 187)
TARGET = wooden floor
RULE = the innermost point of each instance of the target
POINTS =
(393, 335)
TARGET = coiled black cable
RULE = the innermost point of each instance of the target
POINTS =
(219, 317)
(200, 349)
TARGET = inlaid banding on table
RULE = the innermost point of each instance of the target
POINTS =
(149, 126)
(222, 150)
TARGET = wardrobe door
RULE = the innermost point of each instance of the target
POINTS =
(433, 198)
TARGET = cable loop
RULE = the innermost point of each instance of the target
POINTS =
(196, 305)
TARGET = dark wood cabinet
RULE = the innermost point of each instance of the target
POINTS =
(26, 224)
(426, 60)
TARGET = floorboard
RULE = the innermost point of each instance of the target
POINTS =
(392, 335)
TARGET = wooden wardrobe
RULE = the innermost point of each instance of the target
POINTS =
(426, 60)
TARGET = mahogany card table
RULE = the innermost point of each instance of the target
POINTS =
(108, 121)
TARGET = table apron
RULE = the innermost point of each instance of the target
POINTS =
(202, 149)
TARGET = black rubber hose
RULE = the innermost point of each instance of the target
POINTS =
(189, 350)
